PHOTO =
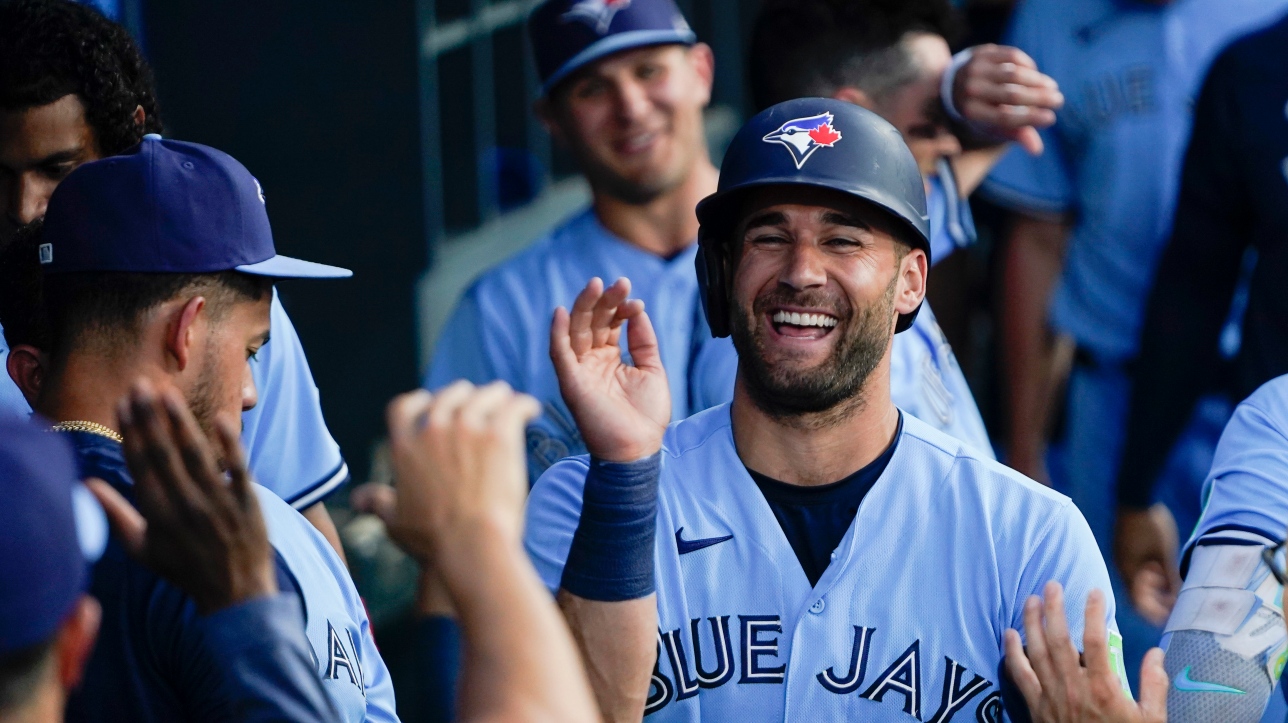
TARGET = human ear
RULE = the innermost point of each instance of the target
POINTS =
(704, 66)
(26, 366)
(850, 94)
(911, 289)
(182, 334)
(76, 639)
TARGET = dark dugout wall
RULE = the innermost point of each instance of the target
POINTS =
(319, 99)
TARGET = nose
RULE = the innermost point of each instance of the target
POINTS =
(632, 101)
(805, 267)
(250, 395)
(28, 201)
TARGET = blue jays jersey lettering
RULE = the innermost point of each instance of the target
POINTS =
(1130, 72)
(803, 136)
(151, 663)
(501, 327)
(290, 449)
(961, 540)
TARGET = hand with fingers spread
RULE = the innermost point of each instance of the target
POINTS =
(622, 409)
(192, 525)
(459, 460)
(1001, 91)
(1056, 686)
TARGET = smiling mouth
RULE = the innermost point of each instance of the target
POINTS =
(803, 325)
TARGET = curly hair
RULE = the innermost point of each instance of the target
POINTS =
(804, 48)
(22, 305)
(53, 48)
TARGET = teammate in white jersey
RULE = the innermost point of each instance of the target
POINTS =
(806, 552)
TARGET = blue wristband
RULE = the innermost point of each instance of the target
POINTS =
(611, 558)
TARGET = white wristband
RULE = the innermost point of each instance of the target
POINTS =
(946, 84)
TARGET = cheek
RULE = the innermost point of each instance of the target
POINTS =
(756, 273)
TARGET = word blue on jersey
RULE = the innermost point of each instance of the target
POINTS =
(1130, 72)
(290, 449)
(906, 620)
(925, 379)
(501, 327)
(152, 663)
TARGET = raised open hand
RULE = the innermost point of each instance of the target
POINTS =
(202, 533)
(621, 408)
(1056, 686)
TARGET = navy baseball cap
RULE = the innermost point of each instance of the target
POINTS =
(570, 34)
(50, 529)
(165, 207)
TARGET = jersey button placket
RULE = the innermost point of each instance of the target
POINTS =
(818, 606)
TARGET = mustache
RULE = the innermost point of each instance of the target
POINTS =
(831, 302)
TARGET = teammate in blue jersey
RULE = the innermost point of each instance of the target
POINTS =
(141, 282)
(53, 531)
(807, 552)
(623, 88)
(894, 60)
(1094, 214)
(73, 88)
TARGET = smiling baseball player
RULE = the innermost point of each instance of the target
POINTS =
(806, 552)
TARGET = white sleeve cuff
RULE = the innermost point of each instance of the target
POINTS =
(950, 78)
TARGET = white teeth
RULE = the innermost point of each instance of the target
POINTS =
(798, 319)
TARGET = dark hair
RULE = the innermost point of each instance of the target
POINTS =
(106, 308)
(803, 48)
(20, 673)
(22, 311)
(53, 48)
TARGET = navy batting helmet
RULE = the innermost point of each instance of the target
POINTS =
(816, 142)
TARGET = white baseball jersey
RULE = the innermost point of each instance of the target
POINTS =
(906, 621)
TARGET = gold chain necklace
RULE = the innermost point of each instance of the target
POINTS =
(90, 427)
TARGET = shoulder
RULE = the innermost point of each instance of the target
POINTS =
(1264, 413)
(693, 433)
(963, 466)
(517, 278)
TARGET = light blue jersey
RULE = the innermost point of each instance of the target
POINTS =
(501, 327)
(925, 379)
(1247, 489)
(1130, 71)
(353, 673)
(908, 617)
(290, 449)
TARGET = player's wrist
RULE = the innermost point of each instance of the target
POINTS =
(612, 553)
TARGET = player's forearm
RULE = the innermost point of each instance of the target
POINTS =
(1034, 258)
(972, 167)
(618, 642)
(520, 661)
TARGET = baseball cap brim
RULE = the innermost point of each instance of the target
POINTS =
(285, 267)
(616, 43)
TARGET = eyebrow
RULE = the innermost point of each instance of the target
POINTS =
(771, 218)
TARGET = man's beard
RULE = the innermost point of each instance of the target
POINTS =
(203, 401)
(835, 385)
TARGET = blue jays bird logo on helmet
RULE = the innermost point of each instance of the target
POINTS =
(596, 13)
(804, 136)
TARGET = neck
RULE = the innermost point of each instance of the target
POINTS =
(666, 225)
(86, 388)
(820, 448)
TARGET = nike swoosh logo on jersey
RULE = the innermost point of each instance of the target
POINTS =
(687, 546)
(1184, 682)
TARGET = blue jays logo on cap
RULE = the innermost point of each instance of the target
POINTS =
(803, 136)
(596, 13)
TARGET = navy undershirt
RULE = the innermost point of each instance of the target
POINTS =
(814, 519)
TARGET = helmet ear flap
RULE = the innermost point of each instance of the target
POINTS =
(713, 286)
